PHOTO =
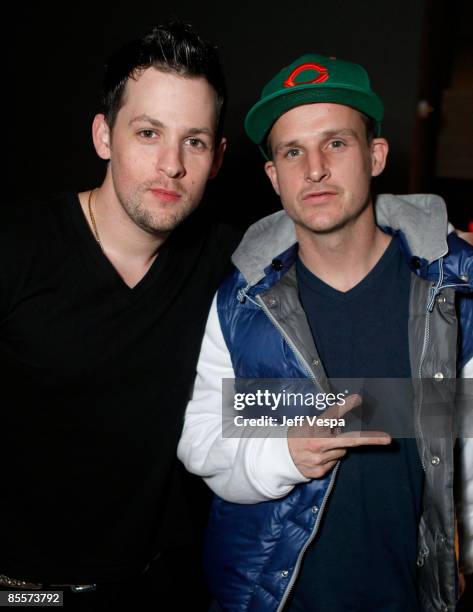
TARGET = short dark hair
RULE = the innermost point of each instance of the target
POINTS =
(173, 47)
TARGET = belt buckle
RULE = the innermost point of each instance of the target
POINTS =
(18, 583)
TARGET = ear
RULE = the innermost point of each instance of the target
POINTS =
(101, 136)
(272, 173)
(218, 158)
(379, 154)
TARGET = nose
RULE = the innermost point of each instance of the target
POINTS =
(317, 167)
(170, 161)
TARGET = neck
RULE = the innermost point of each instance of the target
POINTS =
(130, 249)
(344, 257)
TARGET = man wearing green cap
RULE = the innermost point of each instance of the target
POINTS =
(333, 286)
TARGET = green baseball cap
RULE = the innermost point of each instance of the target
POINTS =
(312, 78)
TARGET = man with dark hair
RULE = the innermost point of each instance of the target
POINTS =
(104, 297)
(176, 49)
(308, 518)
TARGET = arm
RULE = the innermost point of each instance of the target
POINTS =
(242, 470)
(254, 469)
(465, 501)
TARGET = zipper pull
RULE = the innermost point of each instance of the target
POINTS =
(423, 554)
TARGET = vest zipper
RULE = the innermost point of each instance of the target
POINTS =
(421, 363)
(309, 541)
(290, 343)
(315, 529)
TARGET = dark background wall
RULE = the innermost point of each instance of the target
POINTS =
(57, 51)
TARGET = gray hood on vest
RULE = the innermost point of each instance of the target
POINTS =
(421, 218)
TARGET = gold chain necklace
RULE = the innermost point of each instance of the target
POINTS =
(92, 218)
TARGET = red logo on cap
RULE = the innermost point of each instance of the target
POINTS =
(320, 70)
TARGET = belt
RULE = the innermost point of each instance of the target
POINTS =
(20, 583)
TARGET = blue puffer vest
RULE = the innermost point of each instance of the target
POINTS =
(253, 552)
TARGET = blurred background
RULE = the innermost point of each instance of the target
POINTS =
(419, 54)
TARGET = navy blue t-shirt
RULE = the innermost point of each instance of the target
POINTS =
(363, 558)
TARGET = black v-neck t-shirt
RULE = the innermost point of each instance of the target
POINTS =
(363, 558)
(95, 379)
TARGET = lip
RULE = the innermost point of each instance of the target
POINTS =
(166, 194)
(319, 196)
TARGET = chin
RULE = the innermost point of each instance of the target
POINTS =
(157, 224)
(322, 225)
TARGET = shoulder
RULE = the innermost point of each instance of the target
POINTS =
(27, 225)
(35, 228)
(228, 296)
(33, 238)
(220, 235)
(460, 257)
(207, 239)
(458, 273)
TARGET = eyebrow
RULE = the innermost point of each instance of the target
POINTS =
(147, 119)
(343, 132)
(159, 124)
(202, 130)
(325, 134)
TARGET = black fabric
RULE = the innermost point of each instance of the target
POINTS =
(159, 588)
(363, 558)
(95, 380)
